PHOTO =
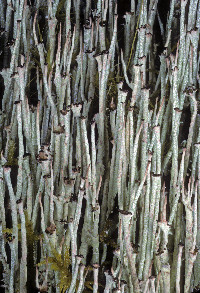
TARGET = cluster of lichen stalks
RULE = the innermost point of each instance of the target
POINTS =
(100, 146)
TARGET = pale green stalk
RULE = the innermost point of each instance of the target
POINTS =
(23, 263)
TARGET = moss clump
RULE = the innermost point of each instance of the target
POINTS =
(61, 264)
(11, 157)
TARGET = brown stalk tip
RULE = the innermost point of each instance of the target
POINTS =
(197, 144)
(94, 209)
(76, 105)
(152, 277)
(146, 88)
(156, 126)
(50, 229)
(73, 198)
(105, 52)
(11, 43)
(175, 69)
(59, 129)
(7, 169)
(42, 156)
(102, 23)
(113, 107)
(117, 251)
(69, 181)
(194, 29)
(47, 176)
(87, 27)
(88, 51)
(92, 121)
(108, 272)
(141, 58)
(96, 266)
(159, 252)
(14, 75)
(45, 146)
(189, 90)
(76, 170)
(128, 13)
(32, 108)
(178, 110)
(156, 175)
(64, 112)
(19, 201)
(26, 155)
(189, 32)
(16, 102)
(79, 256)
(62, 221)
(124, 90)
(87, 21)
(63, 75)
(126, 213)
(97, 54)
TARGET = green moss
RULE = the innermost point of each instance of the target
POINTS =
(11, 159)
(30, 234)
(48, 61)
(60, 13)
(62, 265)
(106, 234)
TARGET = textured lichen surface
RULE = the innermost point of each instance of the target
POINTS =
(99, 146)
